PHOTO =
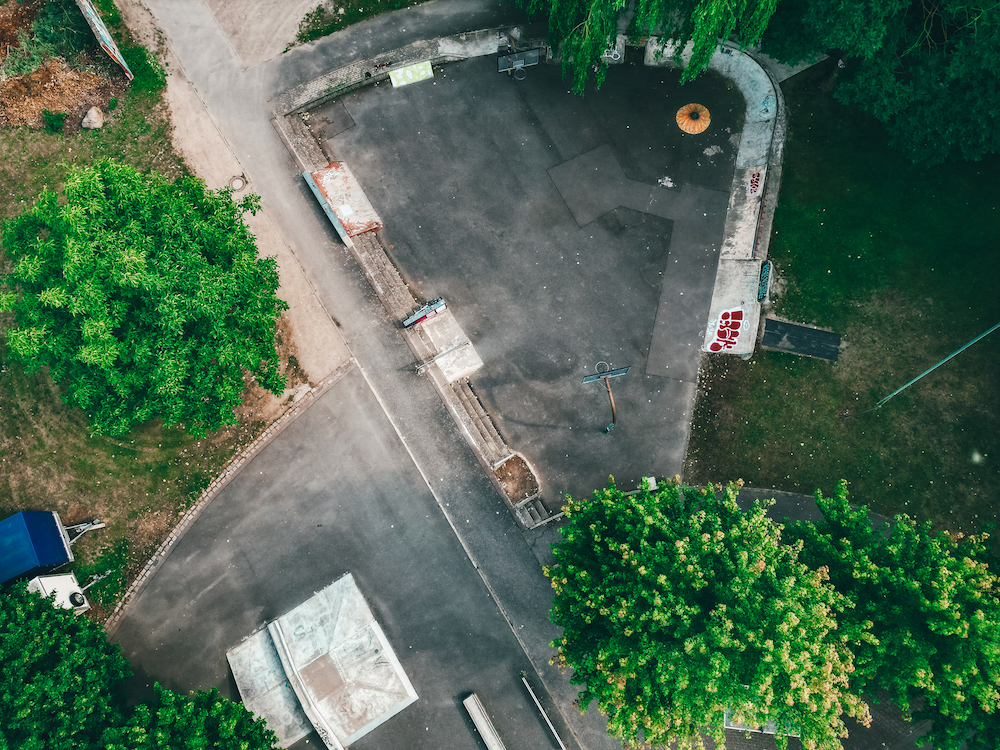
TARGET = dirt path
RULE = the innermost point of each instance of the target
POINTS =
(320, 346)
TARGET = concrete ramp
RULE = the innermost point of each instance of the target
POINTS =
(326, 665)
(343, 201)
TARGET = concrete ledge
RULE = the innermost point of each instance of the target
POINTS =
(743, 215)
(300, 142)
(443, 348)
(338, 82)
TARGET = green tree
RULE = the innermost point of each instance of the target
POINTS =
(932, 602)
(676, 605)
(61, 687)
(59, 677)
(584, 29)
(146, 296)
(929, 71)
(197, 722)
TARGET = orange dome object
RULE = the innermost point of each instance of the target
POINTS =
(693, 118)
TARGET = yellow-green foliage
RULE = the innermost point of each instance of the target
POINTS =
(676, 605)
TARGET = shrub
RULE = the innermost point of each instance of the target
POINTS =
(149, 73)
(53, 121)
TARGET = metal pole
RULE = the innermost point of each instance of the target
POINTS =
(953, 354)
(606, 377)
(614, 412)
(545, 716)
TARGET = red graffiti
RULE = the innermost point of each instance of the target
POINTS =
(754, 183)
(727, 330)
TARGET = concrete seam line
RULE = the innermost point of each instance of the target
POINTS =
(461, 540)
(228, 472)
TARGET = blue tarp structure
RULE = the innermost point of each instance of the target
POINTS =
(32, 542)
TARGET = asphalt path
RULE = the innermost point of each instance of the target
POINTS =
(338, 493)
(403, 407)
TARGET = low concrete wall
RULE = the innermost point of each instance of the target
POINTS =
(338, 82)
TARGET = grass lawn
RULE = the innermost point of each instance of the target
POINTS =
(48, 458)
(902, 261)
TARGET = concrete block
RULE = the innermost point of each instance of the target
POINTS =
(735, 313)
(472, 44)
(453, 353)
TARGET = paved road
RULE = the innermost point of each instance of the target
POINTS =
(336, 493)
(237, 100)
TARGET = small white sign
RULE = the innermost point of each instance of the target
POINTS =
(345, 210)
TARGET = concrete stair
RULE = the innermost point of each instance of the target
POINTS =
(482, 429)
(531, 512)
(383, 276)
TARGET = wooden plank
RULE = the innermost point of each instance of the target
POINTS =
(796, 339)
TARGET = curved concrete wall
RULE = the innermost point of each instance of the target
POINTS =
(752, 197)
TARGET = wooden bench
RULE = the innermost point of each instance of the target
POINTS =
(483, 723)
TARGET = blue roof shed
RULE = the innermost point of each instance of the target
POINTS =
(32, 542)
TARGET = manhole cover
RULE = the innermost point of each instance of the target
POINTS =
(238, 183)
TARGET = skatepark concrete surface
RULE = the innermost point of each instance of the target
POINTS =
(555, 226)
(374, 478)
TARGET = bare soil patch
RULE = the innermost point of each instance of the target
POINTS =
(57, 88)
(517, 479)
(260, 407)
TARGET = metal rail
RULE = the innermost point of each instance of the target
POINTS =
(541, 710)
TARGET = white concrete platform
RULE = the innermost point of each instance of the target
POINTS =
(455, 356)
(326, 665)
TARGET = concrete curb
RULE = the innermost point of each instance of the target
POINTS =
(461, 402)
(362, 73)
(232, 469)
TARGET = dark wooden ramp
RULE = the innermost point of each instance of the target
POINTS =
(796, 339)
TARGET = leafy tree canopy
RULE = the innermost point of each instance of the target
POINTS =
(934, 609)
(61, 686)
(203, 720)
(146, 296)
(929, 70)
(676, 605)
(58, 676)
(585, 29)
